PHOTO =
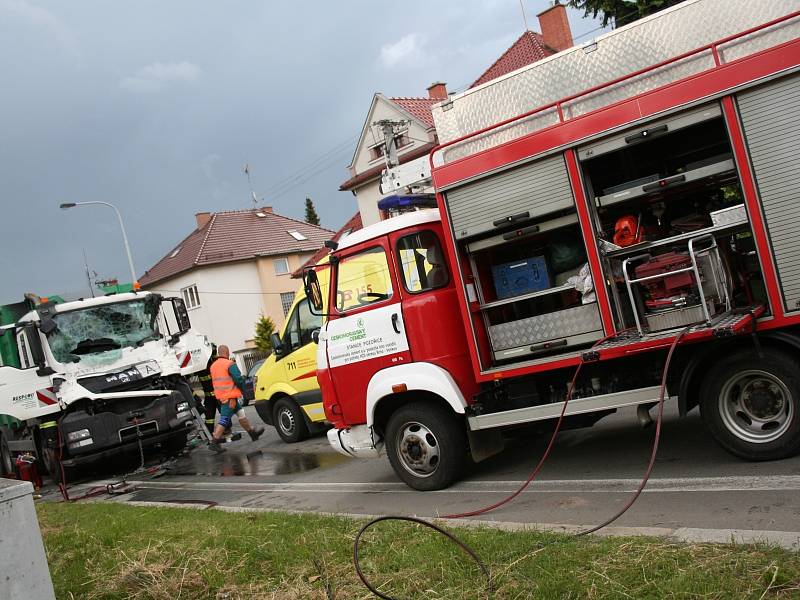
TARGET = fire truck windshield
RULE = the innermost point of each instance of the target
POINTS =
(103, 329)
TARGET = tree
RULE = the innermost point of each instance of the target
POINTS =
(264, 330)
(621, 12)
(311, 214)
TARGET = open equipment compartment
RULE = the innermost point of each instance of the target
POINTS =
(520, 236)
(668, 207)
(528, 282)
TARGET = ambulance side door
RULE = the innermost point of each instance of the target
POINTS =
(300, 359)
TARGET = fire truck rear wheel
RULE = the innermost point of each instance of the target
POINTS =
(426, 445)
(751, 404)
(289, 421)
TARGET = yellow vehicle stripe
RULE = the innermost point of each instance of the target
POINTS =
(315, 411)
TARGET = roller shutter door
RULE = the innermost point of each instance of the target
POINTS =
(537, 188)
(771, 119)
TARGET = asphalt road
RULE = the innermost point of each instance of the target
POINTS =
(589, 476)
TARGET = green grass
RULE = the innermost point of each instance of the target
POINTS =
(106, 550)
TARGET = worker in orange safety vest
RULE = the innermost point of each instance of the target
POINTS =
(227, 381)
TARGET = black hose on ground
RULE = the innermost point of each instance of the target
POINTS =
(531, 477)
(463, 545)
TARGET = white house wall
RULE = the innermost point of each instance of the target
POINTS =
(367, 197)
(228, 317)
(368, 194)
(384, 109)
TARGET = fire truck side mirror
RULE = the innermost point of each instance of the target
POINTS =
(312, 289)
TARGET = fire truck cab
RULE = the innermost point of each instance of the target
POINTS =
(588, 226)
(393, 340)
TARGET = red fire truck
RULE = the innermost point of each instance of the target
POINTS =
(592, 207)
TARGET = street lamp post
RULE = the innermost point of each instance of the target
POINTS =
(67, 205)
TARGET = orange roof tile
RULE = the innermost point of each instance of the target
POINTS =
(529, 48)
(353, 224)
(236, 235)
(419, 108)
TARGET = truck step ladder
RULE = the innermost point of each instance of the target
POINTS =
(200, 425)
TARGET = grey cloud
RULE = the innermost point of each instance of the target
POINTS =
(409, 50)
(42, 18)
(278, 85)
(157, 76)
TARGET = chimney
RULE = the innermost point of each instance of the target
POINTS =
(202, 218)
(266, 209)
(555, 27)
(437, 91)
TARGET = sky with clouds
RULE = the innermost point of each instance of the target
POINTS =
(157, 106)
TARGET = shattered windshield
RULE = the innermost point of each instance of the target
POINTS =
(103, 329)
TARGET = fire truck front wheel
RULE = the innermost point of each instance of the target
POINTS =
(427, 447)
(751, 404)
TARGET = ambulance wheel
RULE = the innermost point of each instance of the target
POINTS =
(427, 447)
(751, 404)
(289, 421)
(6, 460)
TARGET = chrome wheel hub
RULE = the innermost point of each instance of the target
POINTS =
(286, 421)
(756, 406)
(418, 449)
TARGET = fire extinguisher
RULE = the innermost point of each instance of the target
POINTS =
(26, 467)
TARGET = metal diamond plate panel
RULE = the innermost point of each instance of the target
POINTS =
(760, 40)
(727, 321)
(500, 135)
(646, 42)
(551, 326)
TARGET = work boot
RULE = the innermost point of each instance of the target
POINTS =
(215, 447)
(256, 433)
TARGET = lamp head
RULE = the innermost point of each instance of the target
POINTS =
(66, 205)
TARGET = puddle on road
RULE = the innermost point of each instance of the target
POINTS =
(232, 464)
(201, 461)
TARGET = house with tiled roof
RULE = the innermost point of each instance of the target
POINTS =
(234, 267)
(414, 136)
(531, 46)
(353, 224)
(418, 137)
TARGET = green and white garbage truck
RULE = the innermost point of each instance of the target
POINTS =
(83, 381)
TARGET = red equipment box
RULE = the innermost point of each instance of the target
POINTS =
(671, 285)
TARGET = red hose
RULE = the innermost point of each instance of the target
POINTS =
(657, 437)
(535, 472)
(531, 477)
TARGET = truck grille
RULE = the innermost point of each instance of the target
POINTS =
(127, 434)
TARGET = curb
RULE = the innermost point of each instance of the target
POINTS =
(788, 540)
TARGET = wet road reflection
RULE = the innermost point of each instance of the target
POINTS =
(231, 464)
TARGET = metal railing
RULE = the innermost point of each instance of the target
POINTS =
(559, 105)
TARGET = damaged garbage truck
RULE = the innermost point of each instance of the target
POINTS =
(83, 381)
(593, 208)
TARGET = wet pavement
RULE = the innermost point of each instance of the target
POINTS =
(590, 474)
(240, 462)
